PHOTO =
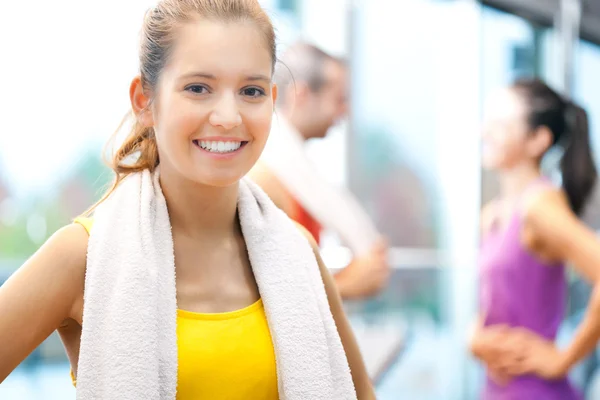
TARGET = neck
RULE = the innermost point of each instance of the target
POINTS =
(197, 210)
(514, 181)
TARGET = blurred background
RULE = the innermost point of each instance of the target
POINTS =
(410, 151)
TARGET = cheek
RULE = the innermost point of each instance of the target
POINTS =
(177, 122)
(494, 145)
(334, 110)
(258, 123)
(177, 111)
(501, 150)
(329, 112)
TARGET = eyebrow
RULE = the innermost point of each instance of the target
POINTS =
(253, 78)
(259, 78)
(199, 75)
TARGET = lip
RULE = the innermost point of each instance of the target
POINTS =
(219, 139)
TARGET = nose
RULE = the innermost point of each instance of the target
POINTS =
(226, 113)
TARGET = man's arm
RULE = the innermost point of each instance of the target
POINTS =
(365, 276)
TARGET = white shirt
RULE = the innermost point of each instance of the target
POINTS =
(334, 208)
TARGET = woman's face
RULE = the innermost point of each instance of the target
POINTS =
(505, 131)
(214, 104)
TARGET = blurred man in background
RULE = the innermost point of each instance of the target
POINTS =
(313, 97)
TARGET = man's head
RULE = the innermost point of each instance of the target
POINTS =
(312, 89)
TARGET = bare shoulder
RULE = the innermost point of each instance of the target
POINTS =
(549, 224)
(57, 268)
(555, 233)
(72, 239)
(545, 202)
(64, 251)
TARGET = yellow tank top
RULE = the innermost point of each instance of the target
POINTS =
(223, 356)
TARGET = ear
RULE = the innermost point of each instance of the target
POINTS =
(539, 142)
(274, 92)
(140, 103)
(298, 94)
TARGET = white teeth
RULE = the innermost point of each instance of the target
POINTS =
(220, 147)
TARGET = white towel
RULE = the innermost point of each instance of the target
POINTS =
(129, 344)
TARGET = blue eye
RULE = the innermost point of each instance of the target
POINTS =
(253, 92)
(196, 89)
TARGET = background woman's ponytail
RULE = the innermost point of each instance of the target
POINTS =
(577, 165)
(570, 130)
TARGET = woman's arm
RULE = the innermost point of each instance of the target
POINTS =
(40, 295)
(553, 232)
(362, 383)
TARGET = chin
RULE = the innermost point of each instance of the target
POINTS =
(320, 134)
(494, 164)
(218, 179)
(491, 160)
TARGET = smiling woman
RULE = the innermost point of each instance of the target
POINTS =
(231, 92)
(192, 283)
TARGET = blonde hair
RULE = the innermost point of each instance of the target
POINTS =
(157, 38)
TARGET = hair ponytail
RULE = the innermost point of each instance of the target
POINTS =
(568, 124)
(577, 165)
(141, 140)
(137, 153)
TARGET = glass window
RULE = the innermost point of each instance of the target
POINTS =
(393, 164)
(395, 88)
(288, 5)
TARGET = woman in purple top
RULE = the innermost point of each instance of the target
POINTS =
(528, 234)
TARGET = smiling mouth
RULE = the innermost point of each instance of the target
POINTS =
(219, 147)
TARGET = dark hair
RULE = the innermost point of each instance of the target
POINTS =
(302, 62)
(568, 123)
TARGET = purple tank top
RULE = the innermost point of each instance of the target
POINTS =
(518, 290)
